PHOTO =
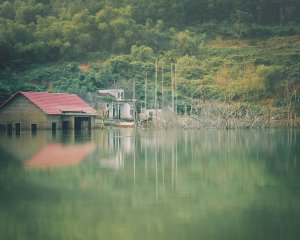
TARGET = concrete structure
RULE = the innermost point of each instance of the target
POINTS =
(42, 110)
(118, 107)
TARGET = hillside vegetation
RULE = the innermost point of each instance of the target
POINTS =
(229, 51)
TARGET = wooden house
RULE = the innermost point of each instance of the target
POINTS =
(42, 110)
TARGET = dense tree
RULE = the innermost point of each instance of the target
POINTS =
(50, 29)
(222, 49)
(118, 29)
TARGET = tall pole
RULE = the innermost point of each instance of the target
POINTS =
(162, 85)
(155, 102)
(134, 117)
(146, 88)
(175, 89)
(172, 87)
(156, 169)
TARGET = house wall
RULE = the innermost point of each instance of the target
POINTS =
(110, 111)
(124, 110)
(21, 110)
(71, 119)
(54, 119)
(93, 122)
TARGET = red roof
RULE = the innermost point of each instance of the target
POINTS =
(56, 103)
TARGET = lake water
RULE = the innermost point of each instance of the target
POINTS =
(120, 184)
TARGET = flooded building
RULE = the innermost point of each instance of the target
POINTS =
(116, 106)
(43, 110)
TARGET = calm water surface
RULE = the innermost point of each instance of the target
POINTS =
(126, 184)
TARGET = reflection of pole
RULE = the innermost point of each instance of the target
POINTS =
(191, 145)
(146, 161)
(134, 149)
(120, 154)
(176, 161)
(156, 170)
(163, 168)
(185, 142)
(173, 160)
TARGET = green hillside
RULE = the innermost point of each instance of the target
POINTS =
(231, 51)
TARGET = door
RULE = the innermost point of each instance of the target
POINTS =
(9, 128)
(33, 128)
(53, 127)
(78, 123)
(65, 125)
(18, 128)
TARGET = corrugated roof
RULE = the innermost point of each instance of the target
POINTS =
(56, 103)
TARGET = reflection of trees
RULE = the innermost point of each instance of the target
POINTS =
(223, 184)
(229, 152)
(231, 161)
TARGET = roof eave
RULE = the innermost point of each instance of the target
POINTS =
(76, 114)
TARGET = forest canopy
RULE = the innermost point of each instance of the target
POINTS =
(47, 30)
(226, 50)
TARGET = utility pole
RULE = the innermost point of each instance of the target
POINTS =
(134, 107)
(172, 86)
(155, 102)
(175, 90)
(162, 85)
(146, 89)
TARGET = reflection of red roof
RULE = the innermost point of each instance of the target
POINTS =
(55, 154)
(56, 103)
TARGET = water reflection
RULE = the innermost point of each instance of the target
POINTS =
(137, 184)
(154, 153)
(54, 154)
(26, 145)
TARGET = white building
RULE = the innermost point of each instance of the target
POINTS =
(117, 107)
